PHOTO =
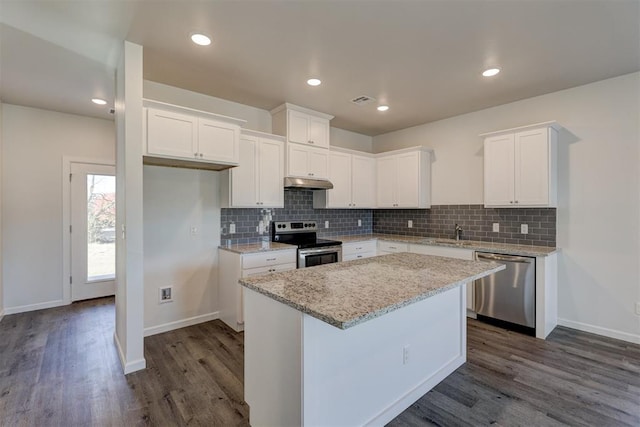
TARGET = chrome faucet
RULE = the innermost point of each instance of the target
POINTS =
(458, 232)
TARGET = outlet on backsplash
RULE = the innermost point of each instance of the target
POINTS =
(496, 227)
(410, 224)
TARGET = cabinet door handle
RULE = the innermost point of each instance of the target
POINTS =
(511, 201)
(200, 154)
(271, 259)
(392, 247)
(358, 249)
(516, 201)
(359, 256)
(195, 154)
(311, 142)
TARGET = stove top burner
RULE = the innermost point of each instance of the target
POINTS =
(299, 233)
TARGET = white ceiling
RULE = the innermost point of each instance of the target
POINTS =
(423, 58)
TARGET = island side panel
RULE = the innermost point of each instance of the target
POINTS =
(546, 295)
(364, 376)
(272, 361)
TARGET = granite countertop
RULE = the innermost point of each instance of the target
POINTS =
(503, 248)
(348, 293)
(250, 248)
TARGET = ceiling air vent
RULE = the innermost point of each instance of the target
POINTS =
(363, 100)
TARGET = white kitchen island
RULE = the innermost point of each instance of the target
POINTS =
(353, 343)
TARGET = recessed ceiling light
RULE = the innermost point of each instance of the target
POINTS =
(99, 101)
(314, 82)
(491, 72)
(200, 39)
(383, 107)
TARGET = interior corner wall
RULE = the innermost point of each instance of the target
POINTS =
(351, 140)
(598, 215)
(181, 238)
(34, 142)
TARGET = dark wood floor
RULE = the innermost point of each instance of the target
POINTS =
(59, 367)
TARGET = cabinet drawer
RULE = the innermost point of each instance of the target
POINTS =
(268, 269)
(360, 255)
(443, 251)
(392, 246)
(358, 247)
(268, 258)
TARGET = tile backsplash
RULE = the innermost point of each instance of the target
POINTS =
(475, 220)
(439, 221)
(298, 205)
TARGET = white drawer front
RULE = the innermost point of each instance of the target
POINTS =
(392, 247)
(358, 256)
(248, 272)
(268, 258)
(458, 253)
(358, 247)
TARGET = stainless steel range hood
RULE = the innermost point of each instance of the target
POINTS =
(307, 183)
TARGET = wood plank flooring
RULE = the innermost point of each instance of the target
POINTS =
(59, 367)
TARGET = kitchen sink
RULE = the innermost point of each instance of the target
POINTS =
(448, 242)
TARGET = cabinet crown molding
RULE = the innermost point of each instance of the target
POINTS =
(405, 150)
(150, 103)
(287, 106)
(550, 124)
(258, 134)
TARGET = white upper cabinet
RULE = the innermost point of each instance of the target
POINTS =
(178, 136)
(258, 181)
(307, 162)
(171, 134)
(301, 125)
(404, 179)
(520, 168)
(353, 177)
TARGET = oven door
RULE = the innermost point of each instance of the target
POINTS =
(318, 256)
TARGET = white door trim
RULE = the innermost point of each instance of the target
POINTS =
(66, 217)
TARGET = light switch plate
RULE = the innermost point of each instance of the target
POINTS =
(232, 228)
(496, 227)
(524, 228)
(410, 224)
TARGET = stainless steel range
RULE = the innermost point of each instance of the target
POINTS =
(311, 250)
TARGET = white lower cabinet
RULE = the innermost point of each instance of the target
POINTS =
(458, 253)
(358, 250)
(233, 266)
(387, 247)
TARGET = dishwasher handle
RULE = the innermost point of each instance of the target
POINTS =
(481, 256)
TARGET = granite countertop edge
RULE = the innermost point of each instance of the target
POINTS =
(255, 248)
(373, 314)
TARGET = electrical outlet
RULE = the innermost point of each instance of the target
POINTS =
(524, 228)
(410, 224)
(638, 308)
(232, 228)
(326, 224)
(359, 223)
(405, 354)
(496, 227)
(166, 294)
(193, 231)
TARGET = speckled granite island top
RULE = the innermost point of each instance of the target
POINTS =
(252, 248)
(348, 293)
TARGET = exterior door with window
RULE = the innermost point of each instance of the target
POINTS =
(93, 233)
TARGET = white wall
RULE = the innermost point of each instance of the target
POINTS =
(34, 142)
(1, 287)
(175, 201)
(352, 140)
(599, 191)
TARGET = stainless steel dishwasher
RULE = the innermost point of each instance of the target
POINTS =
(509, 295)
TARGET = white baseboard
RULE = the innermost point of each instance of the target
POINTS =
(183, 323)
(33, 307)
(128, 367)
(598, 330)
(1, 314)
